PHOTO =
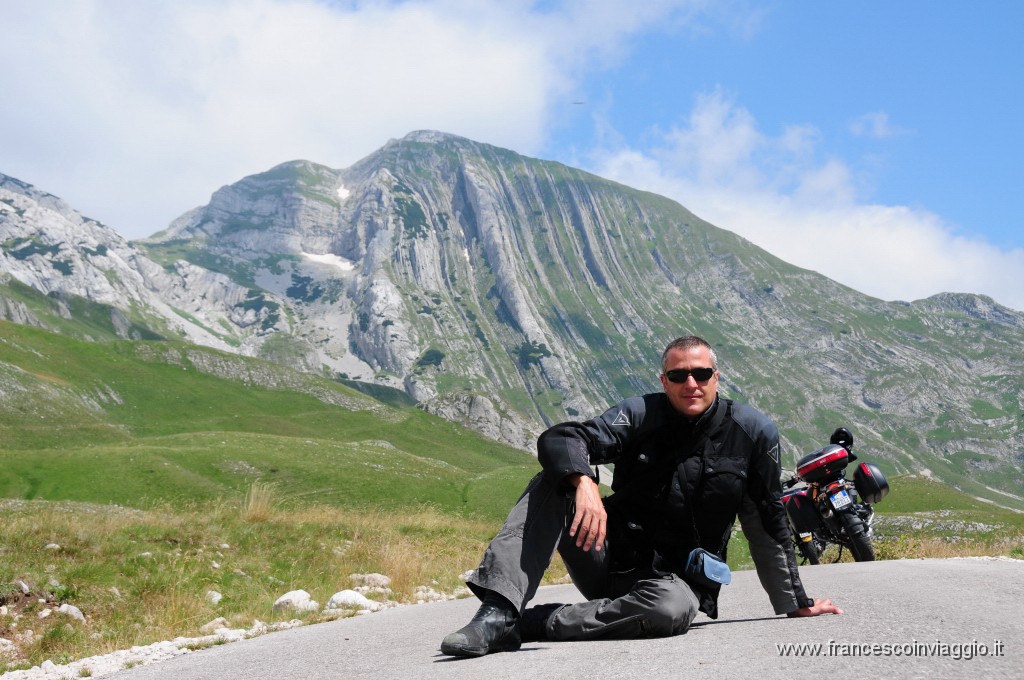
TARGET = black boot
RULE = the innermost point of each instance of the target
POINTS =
(494, 628)
(534, 623)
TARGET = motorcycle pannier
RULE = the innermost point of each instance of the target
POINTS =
(822, 464)
(802, 513)
(870, 482)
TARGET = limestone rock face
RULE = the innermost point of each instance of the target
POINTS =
(479, 413)
(49, 247)
(508, 293)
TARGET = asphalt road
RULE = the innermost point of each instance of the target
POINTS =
(933, 617)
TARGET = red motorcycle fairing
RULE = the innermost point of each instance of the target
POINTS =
(822, 464)
(801, 510)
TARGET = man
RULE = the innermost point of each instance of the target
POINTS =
(687, 463)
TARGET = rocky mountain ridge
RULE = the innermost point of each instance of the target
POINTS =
(52, 249)
(508, 293)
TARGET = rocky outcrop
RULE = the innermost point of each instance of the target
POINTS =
(479, 413)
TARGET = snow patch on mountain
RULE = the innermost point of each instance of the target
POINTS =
(335, 261)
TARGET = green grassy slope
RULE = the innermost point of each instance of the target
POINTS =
(136, 423)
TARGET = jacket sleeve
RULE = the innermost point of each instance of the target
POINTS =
(764, 523)
(571, 448)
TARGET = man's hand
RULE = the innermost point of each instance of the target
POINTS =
(818, 608)
(590, 523)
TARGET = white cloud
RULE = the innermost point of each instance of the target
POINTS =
(135, 112)
(120, 101)
(875, 125)
(778, 194)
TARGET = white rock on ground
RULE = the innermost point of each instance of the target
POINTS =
(214, 626)
(371, 580)
(348, 599)
(72, 611)
(298, 600)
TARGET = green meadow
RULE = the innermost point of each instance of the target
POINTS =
(164, 471)
(143, 423)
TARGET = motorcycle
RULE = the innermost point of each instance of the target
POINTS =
(828, 509)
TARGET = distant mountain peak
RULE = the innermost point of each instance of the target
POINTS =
(432, 137)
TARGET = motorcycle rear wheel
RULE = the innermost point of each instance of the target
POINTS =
(809, 551)
(857, 535)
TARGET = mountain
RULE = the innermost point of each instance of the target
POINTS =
(506, 293)
(83, 269)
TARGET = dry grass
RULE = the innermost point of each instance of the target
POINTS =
(936, 547)
(912, 547)
(162, 563)
(259, 502)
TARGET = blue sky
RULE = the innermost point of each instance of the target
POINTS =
(921, 99)
(876, 142)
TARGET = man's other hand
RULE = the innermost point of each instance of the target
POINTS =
(818, 608)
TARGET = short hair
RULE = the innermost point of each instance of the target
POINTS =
(688, 342)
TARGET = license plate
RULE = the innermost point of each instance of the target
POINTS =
(840, 499)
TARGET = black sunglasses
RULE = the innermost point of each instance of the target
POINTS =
(680, 375)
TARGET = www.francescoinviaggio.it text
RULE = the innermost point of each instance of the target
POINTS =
(959, 651)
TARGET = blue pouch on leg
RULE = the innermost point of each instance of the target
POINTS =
(706, 569)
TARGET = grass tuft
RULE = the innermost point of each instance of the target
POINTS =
(259, 502)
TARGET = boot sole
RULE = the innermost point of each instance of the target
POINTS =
(460, 650)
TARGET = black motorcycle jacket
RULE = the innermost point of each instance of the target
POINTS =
(680, 484)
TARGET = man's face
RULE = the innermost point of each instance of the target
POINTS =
(691, 398)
